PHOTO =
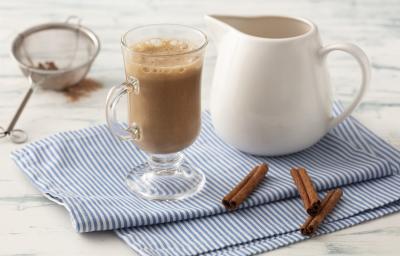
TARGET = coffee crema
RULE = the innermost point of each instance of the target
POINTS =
(167, 108)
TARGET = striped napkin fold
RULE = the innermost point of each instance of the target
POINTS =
(85, 170)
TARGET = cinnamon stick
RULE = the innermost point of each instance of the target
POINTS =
(329, 202)
(307, 192)
(241, 191)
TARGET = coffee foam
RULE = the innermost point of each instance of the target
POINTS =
(163, 58)
(163, 46)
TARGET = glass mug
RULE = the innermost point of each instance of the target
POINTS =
(163, 65)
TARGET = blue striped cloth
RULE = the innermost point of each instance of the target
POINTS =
(85, 171)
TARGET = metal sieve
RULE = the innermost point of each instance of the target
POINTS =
(69, 47)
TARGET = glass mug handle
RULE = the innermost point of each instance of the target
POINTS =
(132, 132)
(363, 61)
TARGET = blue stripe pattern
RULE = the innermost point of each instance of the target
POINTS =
(85, 171)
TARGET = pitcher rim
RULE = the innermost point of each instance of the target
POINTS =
(312, 26)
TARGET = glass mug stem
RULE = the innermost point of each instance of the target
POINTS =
(166, 164)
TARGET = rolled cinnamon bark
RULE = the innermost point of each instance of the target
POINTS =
(241, 191)
(307, 192)
(329, 202)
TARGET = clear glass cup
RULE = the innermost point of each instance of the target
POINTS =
(163, 65)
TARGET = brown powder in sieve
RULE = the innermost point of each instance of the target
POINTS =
(82, 89)
(48, 65)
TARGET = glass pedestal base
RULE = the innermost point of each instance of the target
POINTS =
(165, 177)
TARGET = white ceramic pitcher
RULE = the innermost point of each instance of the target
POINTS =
(271, 93)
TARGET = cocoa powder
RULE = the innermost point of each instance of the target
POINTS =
(82, 89)
(48, 65)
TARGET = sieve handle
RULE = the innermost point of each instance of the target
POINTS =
(132, 132)
(19, 111)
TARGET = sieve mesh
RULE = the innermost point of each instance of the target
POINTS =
(71, 48)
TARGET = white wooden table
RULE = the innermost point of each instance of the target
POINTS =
(32, 225)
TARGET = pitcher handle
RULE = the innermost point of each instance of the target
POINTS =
(132, 132)
(363, 61)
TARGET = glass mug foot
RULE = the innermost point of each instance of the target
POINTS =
(165, 177)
